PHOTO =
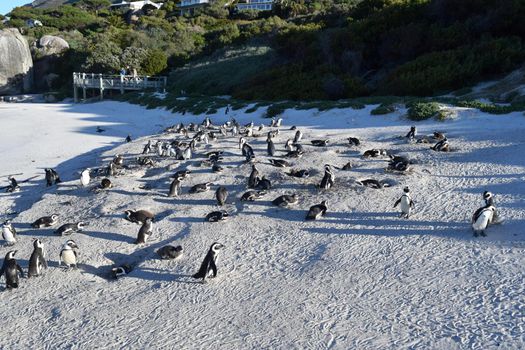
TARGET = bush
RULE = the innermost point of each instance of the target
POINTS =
(383, 109)
(156, 61)
(423, 110)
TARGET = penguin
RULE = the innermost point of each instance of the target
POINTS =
(111, 169)
(488, 197)
(216, 168)
(372, 183)
(128, 138)
(68, 229)
(264, 184)
(147, 148)
(8, 233)
(298, 153)
(209, 262)
(289, 145)
(328, 179)
(286, 200)
(251, 196)
(118, 160)
(216, 216)
(45, 221)
(298, 136)
(353, 141)
(481, 219)
(120, 271)
(145, 231)
(441, 146)
(99, 129)
(438, 135)
(406, 203)
(298, 173)
(13, 186)
(139, 216)
(37, 261)
(411, 134)
(247, 152)
(199, 188)
(84, 177)
(68, 254)
(184, 173)
(279, 163)
(11, 269)
(170, 252)
(375, 153)
(254, 177)
(221, 194)
(347, 166)
(242, 141)
(271, 147)
(51, 177)
(317, 211)
(175, 187)
(105, 183)
(278, 122)
(319, 143)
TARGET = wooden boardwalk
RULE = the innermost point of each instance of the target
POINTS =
(122, 83)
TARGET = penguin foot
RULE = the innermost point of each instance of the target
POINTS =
(476, 234)
(483, 234)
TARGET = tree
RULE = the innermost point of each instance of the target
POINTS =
(155, 62)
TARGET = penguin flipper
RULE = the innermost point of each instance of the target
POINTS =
(20, 270)
(213, 268)
(202, 270)
(397, 202)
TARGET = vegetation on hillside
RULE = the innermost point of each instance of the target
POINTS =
(301, 50)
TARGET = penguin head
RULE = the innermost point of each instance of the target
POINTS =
(70, 245)
(54, 217)
(216, 246)
(406, 189)
(10, 255)
(412, 128)
(487, 195)
(38, 244)
(325, 203)
(81, 225)
(7, 222)
(128, 213)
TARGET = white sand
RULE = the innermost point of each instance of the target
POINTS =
(360, 278)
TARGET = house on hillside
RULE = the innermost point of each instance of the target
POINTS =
(189, 6)
(136, 5)
(258, 5)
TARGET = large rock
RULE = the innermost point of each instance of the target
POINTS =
(51, 45)
(16, 64)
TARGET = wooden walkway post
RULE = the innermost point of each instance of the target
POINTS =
(101, 86)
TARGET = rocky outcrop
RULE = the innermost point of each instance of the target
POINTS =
(16, 64)
(51, 45)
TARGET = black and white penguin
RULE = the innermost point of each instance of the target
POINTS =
(68, 254)
(209, 262)
(317, 211)
(128, 138)
(441, 146)
(8, 233)
(251, 196)
(264, 184)
(37, 261)
(68, 229)
(399, 163)
(121, 271)
(176, 187)
(286, 200)
(412, 133)
(328, 180)
(13, 185)
(481, 219)
(319, 143)
(118, 160)
(438, 135)
(105, 183)
(145, 232)
(84, 177)
(298, 173)
(279, 163)
(170, 252)
(45, 221)
(221, 195)
(147, 148)
(199, 188)
(11, 270)
(216, 167)
(298, 136)
(289, 145)
(184, 173)
(347, 166)
(375, 153)
(254, 177)
(353, 141)
(111, 170)
(271, 147)
(216, 216)
(373, 183)
(139, 216)
(52, 177)
(406, 203)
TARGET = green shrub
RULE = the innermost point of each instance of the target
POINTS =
(156, 61)
(423, 110)
(383, 109)
(274, 110)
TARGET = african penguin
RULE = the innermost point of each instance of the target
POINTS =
(198, 188)
(279, 163)
(170, 252)
(175, 187)
(68, 254)
(45, 221)
(481, 219)
(298, 173)
(8, 233)
(298, 136)
(209, 262)
(271, 147)
(128, 138)
(13, 186)
(353, 141)
(68, 229)
(441, 146)
(145, 231)
(122, 270)
(84, 177)
(138, 216)
(11, 270)
(221, 194)
(412, 133)
(263, 184)
(216, 216)
(37, 261)
(105, 183)
(319, 143)
(52, 177)
(406, 203)
(286, 200)
(254, 177)
(328, 179)
(251, 196)
(317, 211)
(118, 160)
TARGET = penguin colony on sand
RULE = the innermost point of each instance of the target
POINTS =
(184, 148)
